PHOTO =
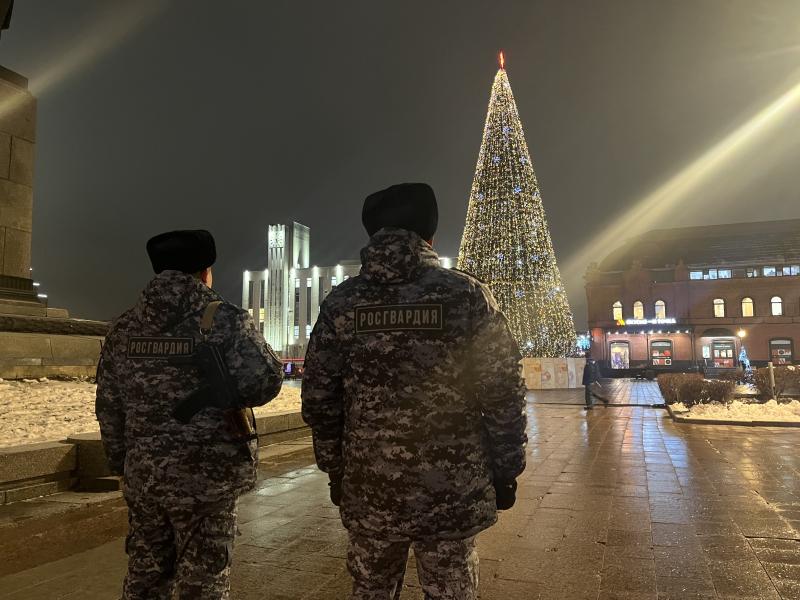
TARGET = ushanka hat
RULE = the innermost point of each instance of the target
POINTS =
(186, 250)
(410, 206)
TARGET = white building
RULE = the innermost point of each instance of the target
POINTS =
(284, 298)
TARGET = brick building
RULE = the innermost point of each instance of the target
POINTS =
(676, 299)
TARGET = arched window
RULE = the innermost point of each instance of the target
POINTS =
(616, 310)
(748, 310)
(638, 310)
(777, 306)
(719, 307)
(661, 309)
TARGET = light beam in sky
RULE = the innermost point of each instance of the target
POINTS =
(683, 187)
(107, 31)
(110, 29)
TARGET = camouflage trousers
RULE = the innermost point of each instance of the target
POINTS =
(447, 569)
(179, 551)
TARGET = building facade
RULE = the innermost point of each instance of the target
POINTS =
(694, 298)
(285, 297)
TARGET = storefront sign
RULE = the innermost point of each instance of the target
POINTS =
(649, 322)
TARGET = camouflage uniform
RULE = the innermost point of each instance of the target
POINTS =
(412, 390)
(181, 481)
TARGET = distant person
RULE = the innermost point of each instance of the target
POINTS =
(413, 393)
(591, 379)
(181, 480)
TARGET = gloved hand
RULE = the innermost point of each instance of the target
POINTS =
(506, 492)
(335, 485)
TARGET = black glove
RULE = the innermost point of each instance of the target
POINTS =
(335, 485)
(506, 493)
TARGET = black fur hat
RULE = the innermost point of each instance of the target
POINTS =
(410, 206)
(186, 250)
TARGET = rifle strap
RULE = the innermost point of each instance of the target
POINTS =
(207, 322)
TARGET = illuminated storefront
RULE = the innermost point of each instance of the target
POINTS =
(694, 298)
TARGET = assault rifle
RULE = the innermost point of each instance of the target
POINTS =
(217, 389)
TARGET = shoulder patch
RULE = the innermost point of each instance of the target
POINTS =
(398, 317)
(160, 347)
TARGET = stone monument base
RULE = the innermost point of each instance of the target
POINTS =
(553, 373)
(53, 345)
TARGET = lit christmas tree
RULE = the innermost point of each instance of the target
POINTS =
(506, 242)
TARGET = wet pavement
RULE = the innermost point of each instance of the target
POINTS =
(616, 503)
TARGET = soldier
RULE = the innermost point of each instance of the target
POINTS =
(413, 393)
(181, 480)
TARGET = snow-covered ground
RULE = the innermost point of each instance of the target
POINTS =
(40, 411)
(742, 411)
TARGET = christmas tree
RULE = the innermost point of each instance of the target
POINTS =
(506, 241)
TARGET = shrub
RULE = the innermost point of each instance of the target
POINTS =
(733, 376)
(717, 390)
(667, 387)
(786, 378)
(691, 389)
(671, 384)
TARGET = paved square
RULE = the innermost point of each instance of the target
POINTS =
(616, 503)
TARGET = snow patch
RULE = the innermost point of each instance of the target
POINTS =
(787, 412)
(42, 410)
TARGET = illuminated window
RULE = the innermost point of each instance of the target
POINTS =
(769, 271)
(695, 274)
(712, 274)
(333, 281)
(719, 307)
(752, 272)
(748, 309)
(620, 355)
(777, 306)
(661, 309)
(781, 351)
(296, 304)
(661, 353)
(724, 273)
(616, 310)
(638, 310)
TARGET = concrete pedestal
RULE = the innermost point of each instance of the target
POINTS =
(35, 341)
(17, 139)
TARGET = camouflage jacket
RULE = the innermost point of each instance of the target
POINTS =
(197, 461)
(412, 390)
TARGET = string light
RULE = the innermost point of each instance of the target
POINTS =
(506, 241)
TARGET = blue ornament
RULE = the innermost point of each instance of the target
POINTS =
(496, 160)
(517, 190)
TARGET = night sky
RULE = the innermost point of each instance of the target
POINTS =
(233, 115)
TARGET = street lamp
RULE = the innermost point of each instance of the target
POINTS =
(742, 334)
